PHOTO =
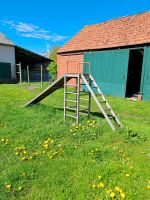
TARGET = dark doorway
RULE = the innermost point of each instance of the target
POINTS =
(134, 72)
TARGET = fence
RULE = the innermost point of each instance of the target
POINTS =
(37, 73)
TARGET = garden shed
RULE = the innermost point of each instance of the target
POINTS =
(119, 53)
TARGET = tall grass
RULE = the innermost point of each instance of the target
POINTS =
(42, 157)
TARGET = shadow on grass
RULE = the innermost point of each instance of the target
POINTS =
(43, 107)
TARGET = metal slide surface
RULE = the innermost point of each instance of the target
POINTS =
(50, 89)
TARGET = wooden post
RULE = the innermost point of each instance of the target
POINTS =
(41, 75)
(78, 98)
(65, 90)
(28, 76)
(20, 72)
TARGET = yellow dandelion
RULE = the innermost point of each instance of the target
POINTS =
(117, 189)
(8, 186)
(101, 185)
(99, 177)
(93, 186)
(122, 195)
(30, 157)
(23, 158)
(148, 187)
(24, 152)
(112, 194)
(127, 175)
(109, 191)
(19, 188)
(148, 181)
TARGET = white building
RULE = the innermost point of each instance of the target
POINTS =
(10, 55)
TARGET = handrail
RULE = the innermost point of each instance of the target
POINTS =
(78, 65)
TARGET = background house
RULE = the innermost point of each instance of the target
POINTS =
(119, 52)
(10, 55)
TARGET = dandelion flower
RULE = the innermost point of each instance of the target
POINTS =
(99, 177)
(122, 195)
(101, 185)
(117, 189)
(23, 158)
(8, 186)
(148, 187)
(127, 175)
(112, 194)
(31, 157)
(19, 188)
(109, 191)
(93, 186)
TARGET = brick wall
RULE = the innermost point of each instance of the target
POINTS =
(72, 67)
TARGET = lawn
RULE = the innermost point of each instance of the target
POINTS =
(44, 158)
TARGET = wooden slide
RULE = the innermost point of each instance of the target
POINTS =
(50, 89)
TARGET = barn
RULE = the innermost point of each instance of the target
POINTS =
(119, 53)
(11, 55)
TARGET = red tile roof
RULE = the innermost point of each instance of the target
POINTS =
(130, 30)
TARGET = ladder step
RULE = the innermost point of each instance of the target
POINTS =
(84, 99)
(72, 85)
(71, 100)
(108, 109)
(112, 117)
(70, 116)
(71, 92)
(86, 74)
(102, 101)
(84, 113)
(71, 108)
(84, 106)
(83, 110)
(94, 87)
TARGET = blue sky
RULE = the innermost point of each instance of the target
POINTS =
(32, 23)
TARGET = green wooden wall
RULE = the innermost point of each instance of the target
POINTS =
(109, 68)
(145, 79)
(5, 71)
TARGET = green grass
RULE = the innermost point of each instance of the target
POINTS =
(69, 168)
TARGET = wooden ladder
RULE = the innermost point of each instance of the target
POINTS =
(91, 86)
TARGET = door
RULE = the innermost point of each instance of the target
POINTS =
(5, 71)
(134, 72)
(145, 82)
(109, 68)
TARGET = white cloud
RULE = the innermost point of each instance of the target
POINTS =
(32, 31)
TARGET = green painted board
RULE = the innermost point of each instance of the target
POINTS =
(5, 71)
(109, 68)
(145, 81)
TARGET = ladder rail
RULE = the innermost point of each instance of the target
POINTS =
(106, 102)
(98, 103)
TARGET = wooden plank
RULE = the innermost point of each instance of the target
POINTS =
(50, 89)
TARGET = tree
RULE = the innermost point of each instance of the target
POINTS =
(53, 53)
(52, 68)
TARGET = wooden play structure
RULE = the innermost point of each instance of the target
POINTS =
(81, 80)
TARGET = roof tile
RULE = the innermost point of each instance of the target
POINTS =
(130, 30)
